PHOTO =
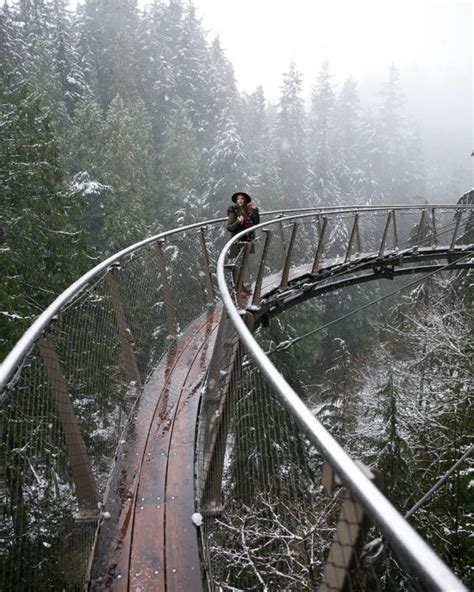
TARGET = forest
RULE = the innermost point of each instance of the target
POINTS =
(118, 123)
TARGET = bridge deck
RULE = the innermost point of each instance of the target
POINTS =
(149, 541)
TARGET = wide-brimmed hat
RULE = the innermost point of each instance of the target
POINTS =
(248, 199)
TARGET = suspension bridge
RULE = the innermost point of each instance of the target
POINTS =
(149, 443)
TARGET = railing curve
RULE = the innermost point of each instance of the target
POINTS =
(69, 386)
(415, 554)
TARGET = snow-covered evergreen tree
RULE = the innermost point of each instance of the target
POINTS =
(228, 166)
(41, 241)
(110, 48)
(290, 138)
(398, 156)
(179, 164)
(322, 181)
(128, 169)
(263, 176)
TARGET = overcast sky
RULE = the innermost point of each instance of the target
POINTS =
(430, 41)
(359, 37)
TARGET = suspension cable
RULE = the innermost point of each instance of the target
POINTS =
(438, 484)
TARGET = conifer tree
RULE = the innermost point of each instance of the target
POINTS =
(354, 171)
(83, 159)
(108, 44)
(264, 178)
(337, 409)
(128, 169)
(398, 156)
(228, 166)
(290, 139)
(323, 183)
(394, 449)
(179, 163)
(41, 243)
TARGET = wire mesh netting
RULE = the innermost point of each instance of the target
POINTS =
(268, 519)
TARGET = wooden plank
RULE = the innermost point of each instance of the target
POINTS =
(148, 568)
(183, 570)
(112, 554)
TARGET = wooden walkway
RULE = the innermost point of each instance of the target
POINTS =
(147, 540)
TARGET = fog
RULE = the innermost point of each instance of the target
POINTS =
(429, 41)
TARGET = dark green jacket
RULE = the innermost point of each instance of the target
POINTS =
(233, 224)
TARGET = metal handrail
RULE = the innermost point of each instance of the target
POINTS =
(418, 556)
(24, 345)
(21, 349)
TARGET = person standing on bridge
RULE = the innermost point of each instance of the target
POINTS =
(244, 214)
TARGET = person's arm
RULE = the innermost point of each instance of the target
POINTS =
(233, 222)
(254, 215)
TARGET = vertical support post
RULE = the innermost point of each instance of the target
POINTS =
(352, 527)
(395, 231)
(358, 241)
(286, 266)
(354, 236)
(125, 335)
(79, 460)
(207, 269)
(385, 232)
(216, 408)
(282, 238)
(320, 247)
(458, 215)
(242, 271)
(261, 269)
(170, 312)
(434, 238)
(420, 228)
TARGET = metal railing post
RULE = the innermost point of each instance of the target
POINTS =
(434, 240)
(458, 215)
(261, 270)
(420, 227)
(289, 252)
(242, 269)
(385, 232)
(216, 403)
(320, 247)
(81, 469)
(125, 335)
(354, 235)
(352, 527)
(395, 231)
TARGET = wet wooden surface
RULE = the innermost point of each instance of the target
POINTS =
(149, 541)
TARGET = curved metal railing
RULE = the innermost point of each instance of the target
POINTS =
(69, 386)
(422, 236)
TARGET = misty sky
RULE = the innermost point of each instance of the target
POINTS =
(359, 38)
(430, 41)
